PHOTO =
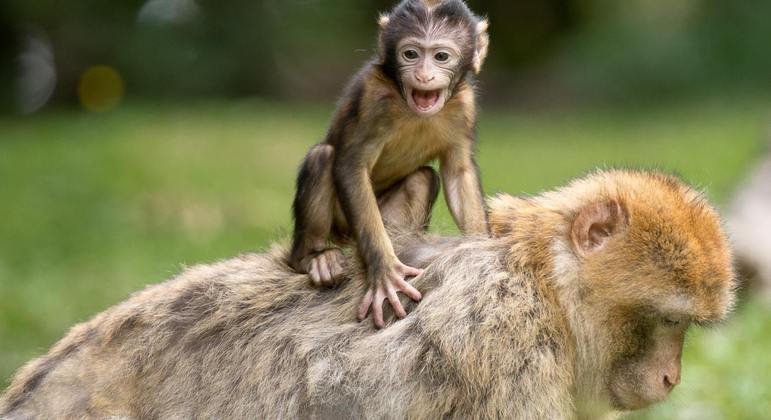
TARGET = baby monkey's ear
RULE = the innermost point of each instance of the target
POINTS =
(482, 42)
(383, 20)
(596, 225)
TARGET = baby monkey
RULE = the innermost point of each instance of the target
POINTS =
(413, 103)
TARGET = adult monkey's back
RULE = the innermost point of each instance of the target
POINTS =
(577, 307)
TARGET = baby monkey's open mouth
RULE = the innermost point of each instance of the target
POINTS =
(426, 101)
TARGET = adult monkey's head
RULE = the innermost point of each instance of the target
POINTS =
(637, 258)
(428, 46)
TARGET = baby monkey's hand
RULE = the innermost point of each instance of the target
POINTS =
(388, 280)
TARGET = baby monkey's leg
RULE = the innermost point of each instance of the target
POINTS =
(406, 207)
(313, 210)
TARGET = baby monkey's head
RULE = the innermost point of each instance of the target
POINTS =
(428, 46)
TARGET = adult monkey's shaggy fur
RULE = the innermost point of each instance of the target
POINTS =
(576, 308)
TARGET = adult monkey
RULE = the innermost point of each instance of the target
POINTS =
(410, 105)
(577, 307)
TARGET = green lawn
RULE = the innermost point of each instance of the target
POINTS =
(94, 206)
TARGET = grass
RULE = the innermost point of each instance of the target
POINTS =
(95, 206)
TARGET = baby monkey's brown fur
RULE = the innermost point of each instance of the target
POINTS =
(412, 104)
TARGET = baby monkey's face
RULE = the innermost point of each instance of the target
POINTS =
(427, 68)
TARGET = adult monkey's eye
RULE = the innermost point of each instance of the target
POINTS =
(671, 322)
(410, 54)
(441, 56)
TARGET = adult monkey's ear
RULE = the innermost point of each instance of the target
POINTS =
(482, 42)
(596, 225)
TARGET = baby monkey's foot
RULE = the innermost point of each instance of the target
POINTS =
(325, 267)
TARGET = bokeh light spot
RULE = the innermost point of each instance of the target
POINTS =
(37, 72)
(100, 88)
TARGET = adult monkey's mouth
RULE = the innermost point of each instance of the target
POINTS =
(426, 102)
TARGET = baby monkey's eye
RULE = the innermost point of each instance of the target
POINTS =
(410, 54)
(441, 56)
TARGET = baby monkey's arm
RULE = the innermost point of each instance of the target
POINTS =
(386, 274)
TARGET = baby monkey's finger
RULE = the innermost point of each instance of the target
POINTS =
(324, 274)
(314, 273)
(366, 302)
(396, 304)
(412, 271)
(377, 310)
(409, 290)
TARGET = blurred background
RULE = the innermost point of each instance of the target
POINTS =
(140, 136)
